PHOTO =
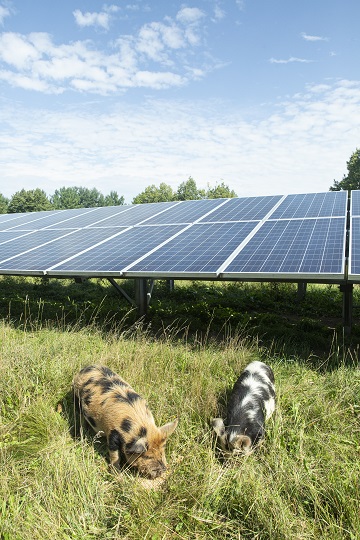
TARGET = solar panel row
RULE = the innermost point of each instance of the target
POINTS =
(275, 237)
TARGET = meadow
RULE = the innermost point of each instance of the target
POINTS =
(302, 483)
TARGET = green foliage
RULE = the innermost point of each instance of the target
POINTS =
(153, 194)
(32, 200)
(113, 199)
(4, 203)
(352, 179)
(220, 191)
(81, 197)
(188, 191)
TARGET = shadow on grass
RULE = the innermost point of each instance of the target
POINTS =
(79, 429)
(269, 313)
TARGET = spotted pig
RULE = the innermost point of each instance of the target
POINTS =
(251, 402)
(111, 406)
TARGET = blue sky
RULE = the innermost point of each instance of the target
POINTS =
(263, 95)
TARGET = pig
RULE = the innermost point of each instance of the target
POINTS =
(251, 402)
(110, 405)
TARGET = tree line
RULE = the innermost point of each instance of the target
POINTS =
(35, 200)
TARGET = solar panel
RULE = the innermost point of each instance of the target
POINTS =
(55, 250)
(329, 204)
(34, 221)
(354, 237)
(288, 248)
(187, 212)
(116, 253)
(354, 255)
(135, 214)
(244, 209)
(198, 250)
(9, 221)
(355, 203)
(300, 236)
(26, 242)
(7, 236)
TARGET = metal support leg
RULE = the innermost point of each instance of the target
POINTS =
(347, 290)
(121, 291)
(141, 295)
(301, 290)
(171, 284)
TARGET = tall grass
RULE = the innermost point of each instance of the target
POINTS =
(302, 483)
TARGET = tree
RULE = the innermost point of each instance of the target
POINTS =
(82, 197)
(189, 191)
(90, 198)
(32, 200)
(66, 197)
(352, 180)
(152, 194)
(113, 199)
(220, 191)
(4, 203)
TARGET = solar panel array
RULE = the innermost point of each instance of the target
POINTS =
(354, 237)
(272, 237)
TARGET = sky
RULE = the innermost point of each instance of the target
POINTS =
(263, 95)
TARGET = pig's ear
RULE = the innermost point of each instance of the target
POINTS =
(241, 443)
(218, 427)
(138, 447)
(169, 428)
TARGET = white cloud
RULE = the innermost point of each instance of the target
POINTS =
(156, 56)
(219, 13)
(4, 12)
(188, 15)
(300, 145)
(92, 19)
(289, 60)
(313, 38)
(17, 51)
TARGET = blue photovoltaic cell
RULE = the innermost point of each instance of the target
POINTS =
(5, 218)
(15, 220)
(355, 203)
(294, 246)
(200, 248)
(48, 255)
(7, 236)
(244, 209)
(86, 218)
(134, 214)
(26, 242)
(185, 212)
(355, 248)
(57, 219)
(330, 204)
(118, 252)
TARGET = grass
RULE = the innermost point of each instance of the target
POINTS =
(302, 483)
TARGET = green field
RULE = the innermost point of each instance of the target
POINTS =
(302, 483)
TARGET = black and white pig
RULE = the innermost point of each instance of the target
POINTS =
(252, 401)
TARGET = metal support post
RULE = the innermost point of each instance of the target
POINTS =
(171, 284)
(301, 290)
(141, 295)
(347, 290)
